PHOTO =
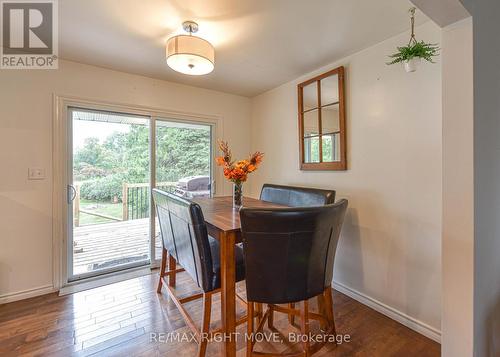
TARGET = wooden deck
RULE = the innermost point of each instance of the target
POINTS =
(107, 245)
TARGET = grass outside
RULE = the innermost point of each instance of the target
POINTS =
(100, 207)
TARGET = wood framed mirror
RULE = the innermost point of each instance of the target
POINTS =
(322, 132)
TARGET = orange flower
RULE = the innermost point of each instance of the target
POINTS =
(237, 171)
(242, 163)
(224, 147)
(238, 174)
(220, 161)
(256, 158)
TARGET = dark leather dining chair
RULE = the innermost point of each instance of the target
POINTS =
(187, 243)
(289, 258)
(296, 196)
(292, 196)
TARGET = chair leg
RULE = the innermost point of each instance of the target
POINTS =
(322, 311)
(172, 265)
(270, 318)
(162, 269)
(291, 317)
(329, 308)
(205, 325)
(304, 327)
(258, 309)
(250, 321)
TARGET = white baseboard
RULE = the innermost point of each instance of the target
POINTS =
(26, 294)
(402, 318)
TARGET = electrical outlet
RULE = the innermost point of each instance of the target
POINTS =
(36, 173)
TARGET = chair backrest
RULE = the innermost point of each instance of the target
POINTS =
(184, 235)
(290, 252)
(296, 196)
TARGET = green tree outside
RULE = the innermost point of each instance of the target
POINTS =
(102, 168)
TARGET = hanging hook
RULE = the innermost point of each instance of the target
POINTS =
(412, 22)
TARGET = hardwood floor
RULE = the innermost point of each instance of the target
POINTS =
(124, 319)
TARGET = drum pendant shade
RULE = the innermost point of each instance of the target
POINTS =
(191, 55)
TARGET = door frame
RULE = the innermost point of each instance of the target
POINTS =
(60, 150)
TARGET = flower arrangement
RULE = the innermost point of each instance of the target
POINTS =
(237, 171)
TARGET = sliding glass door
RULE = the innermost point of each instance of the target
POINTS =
(115, 159)
(108, 192)
(183, 162)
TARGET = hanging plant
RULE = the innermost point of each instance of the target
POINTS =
(411, 54)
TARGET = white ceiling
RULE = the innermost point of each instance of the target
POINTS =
(259, 44)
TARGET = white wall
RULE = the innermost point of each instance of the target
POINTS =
(458, 191)
(390, 248)
(486, 176)
(26, 102)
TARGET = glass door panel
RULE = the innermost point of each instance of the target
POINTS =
(108, 192)
(183, 162)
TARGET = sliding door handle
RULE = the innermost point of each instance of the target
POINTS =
(71, 193)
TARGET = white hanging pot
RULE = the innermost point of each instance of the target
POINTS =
(412, 64)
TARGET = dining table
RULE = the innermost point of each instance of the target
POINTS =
(223, 223)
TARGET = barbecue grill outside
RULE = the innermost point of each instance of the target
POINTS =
(193, 186)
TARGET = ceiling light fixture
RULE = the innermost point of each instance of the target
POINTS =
(190, 54)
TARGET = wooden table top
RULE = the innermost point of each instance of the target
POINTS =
(221, 215)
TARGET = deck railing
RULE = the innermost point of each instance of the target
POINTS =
(135, 198)
(135, 202)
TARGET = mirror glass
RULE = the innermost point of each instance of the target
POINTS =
(331, 147)
(311, 149)
(310, 96)
(311, 122)
(329, 90)
(330, 119)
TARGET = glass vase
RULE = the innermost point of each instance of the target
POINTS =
(237, 194)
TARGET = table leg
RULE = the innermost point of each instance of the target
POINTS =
(228, 292)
